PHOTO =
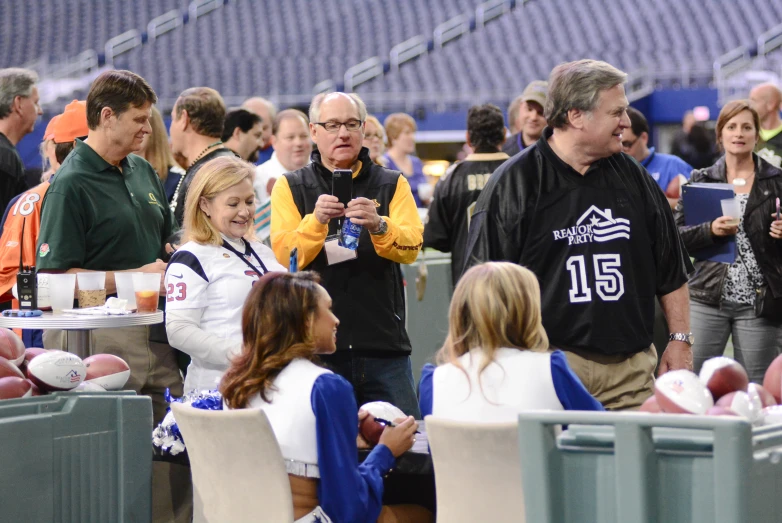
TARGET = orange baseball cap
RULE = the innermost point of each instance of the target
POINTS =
(72, 123)
(48, 134)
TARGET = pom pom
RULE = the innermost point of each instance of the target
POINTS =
(167, 436)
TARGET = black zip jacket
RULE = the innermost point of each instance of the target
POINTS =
(367, 293)
(706, 282)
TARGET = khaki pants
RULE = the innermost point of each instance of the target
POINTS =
(153, 368)
(618, 382)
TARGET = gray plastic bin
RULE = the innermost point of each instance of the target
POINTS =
(647, 468)
(76, 458)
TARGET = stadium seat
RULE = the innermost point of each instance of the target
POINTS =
(229, 448)
(472, 458)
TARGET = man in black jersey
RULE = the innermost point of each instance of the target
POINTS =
(455, 194)
(598, 233)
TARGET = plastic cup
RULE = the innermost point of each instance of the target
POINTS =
(425, 191)
(61, 290)
(731, 207)
(147, 290)
(92, 289)
(125, 289)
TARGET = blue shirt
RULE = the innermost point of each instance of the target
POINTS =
(348, 491)
(665, 167)
(415, 179)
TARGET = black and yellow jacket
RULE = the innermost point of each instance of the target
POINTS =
(368, 292)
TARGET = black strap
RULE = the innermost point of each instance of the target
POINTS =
(247, 252)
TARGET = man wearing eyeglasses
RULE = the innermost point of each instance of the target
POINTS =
(669, 171)
(367, 289)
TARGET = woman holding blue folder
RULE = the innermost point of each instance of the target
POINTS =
(723, 295)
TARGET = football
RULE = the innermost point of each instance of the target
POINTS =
(720, 411)
(723, 375)
(109, 371)
(11, 347)
(766, 398)
(57, 370)
(14, 387)
(682, 392)
(650, 405)
(772, 381)
(372, 427)
(35, 390)
(772, 415)
(29, 354)
(87, 386)
(9, 370)
(740, 403)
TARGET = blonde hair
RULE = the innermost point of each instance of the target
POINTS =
(158, 152)
(214, 177)
(395, 123)
(495, 305)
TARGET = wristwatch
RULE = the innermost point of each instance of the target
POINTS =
(380, 230)
(687, 337)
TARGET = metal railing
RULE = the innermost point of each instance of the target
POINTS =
(363, 72)
(164, 23)
(451, 30)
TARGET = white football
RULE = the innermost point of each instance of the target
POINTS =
(88, 386)
(57, 370)
(383, 410)
(682, 392)
(772, 415)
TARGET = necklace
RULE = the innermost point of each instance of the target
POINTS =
(175, 197)
(741, 182)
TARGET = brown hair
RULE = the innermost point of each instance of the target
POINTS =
(62, 150)
(494, 305)
(395, 123)
(276, 329)
(157, 151)
(214, 177)
(205, 108)
(288, 114)
(732, 109)
(118, 90)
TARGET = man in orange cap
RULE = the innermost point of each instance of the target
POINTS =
(25, 210)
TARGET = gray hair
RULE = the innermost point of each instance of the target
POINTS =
(322, 97)
(14, 82)
(577, 85)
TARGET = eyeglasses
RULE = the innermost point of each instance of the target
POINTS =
(333, 126)
(375, 136)
(627, 145)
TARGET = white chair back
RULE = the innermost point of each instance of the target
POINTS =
(238, 470)
(477, 471)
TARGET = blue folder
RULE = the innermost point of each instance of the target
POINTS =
(702, 204)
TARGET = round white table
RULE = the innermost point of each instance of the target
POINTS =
(77, 327)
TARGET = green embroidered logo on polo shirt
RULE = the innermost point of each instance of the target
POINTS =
(44, 250)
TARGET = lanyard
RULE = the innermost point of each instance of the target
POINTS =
(648, 160)
(519, 142)
(247, 252)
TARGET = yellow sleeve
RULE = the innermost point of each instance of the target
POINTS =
(289, 230)
(405, 234)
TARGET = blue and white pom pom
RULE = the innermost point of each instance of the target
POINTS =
(166, 436)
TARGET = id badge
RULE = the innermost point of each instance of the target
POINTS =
(336, 254)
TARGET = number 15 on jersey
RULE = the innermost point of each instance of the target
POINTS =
(609, 282)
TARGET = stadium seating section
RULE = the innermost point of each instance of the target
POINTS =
(276, 48)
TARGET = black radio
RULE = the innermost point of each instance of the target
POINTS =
(26, 283)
